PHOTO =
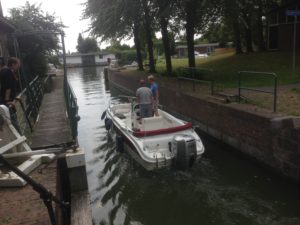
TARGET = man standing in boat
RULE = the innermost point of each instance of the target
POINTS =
(154, 90)
(145, 99)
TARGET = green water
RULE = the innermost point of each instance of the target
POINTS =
(223, 189)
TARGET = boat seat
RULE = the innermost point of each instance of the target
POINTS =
(152, 123)
(120, 116)
(122, 111)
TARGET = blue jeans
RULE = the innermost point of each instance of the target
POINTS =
(146, 110)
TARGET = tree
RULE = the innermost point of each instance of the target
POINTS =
(35, 46)
(220, 32)
(115, 20)
(164, 12)
(247, 18)
(193, 16)
(190, 18)
(86, 45)
(148, 32)
(79, 41)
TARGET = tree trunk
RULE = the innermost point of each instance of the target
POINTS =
(138, 47)
(248, 33)
(148, 30)
(237, 37)
(247, 19)
(166, 43)
(232, 13)
(190, 30)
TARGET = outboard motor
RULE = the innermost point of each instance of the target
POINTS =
(185, 150)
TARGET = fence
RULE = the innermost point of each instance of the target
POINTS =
(265, 74)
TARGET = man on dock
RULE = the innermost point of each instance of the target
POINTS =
(9, 81)
(8, 90)
(144, 98)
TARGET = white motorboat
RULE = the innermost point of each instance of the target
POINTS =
(155, 142)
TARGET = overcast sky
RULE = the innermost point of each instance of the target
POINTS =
(70, 12)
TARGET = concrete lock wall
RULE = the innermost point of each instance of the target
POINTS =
(271, 139)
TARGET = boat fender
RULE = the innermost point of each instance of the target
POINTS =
(107, 123)
(185, 150)
(103, 115)
(119, 143)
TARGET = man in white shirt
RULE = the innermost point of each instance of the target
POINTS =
(145, 99)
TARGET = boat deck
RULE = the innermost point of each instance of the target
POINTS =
(123, 112)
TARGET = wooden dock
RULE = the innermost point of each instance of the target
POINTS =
(23, 205)
(52, 126)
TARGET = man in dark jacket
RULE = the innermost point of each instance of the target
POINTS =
(9, 81)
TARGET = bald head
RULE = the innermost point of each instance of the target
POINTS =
(142, 82)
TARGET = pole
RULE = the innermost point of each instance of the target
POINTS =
(64, 54)
(294, 45)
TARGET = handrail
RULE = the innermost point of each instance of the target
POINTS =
(72, 109)
(194, 78)
(255, 73)
(34, 93)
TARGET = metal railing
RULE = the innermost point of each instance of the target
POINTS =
(30, 100)
(195, 75)
(265, 74)
(72, 108)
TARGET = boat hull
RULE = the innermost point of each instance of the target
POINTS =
(152, 148)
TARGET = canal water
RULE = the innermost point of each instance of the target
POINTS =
(223, 189)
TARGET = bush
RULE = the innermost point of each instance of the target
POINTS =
(126, 57)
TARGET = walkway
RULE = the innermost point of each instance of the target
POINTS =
(52, 127)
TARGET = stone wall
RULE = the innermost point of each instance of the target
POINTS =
(271, 139)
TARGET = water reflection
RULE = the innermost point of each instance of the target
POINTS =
(221, 189)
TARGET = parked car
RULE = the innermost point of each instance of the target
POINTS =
(200, 55)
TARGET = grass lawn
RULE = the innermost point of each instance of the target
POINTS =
(226, 66)
(225, 74)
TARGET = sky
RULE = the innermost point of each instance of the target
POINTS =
(69, 11)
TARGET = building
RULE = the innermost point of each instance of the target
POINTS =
(88, 59)
(200, 48)
(281, 28)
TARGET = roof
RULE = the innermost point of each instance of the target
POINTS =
(6, 24)
(87, 54)
(294, 2)
(199, 45)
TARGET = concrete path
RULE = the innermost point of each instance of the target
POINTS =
(23, 205)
